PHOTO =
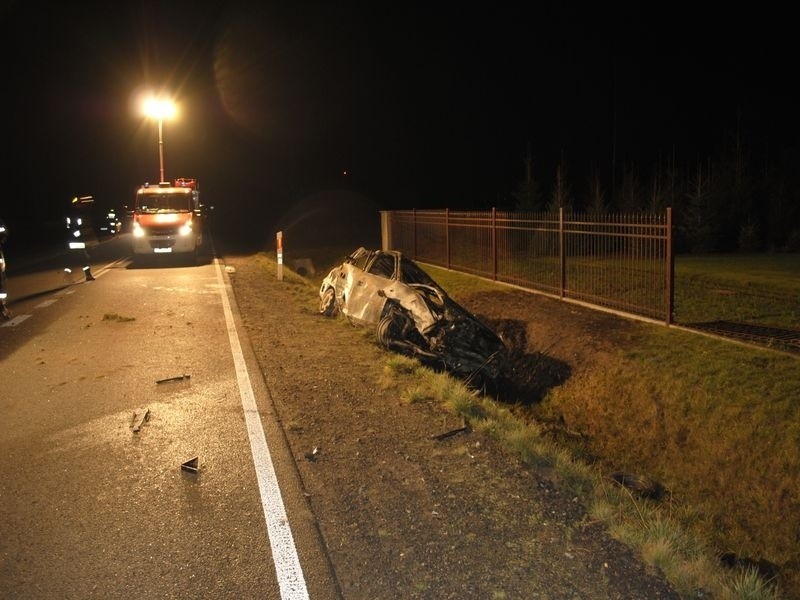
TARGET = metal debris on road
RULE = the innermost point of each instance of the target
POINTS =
(178, 378)
(139, 420)
(191, 465)
(448, 434)
(312, 456)
(642, 485)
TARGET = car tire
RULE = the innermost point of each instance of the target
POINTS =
(389, 329)
(327, 303)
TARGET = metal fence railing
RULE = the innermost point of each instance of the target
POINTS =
(622, 262)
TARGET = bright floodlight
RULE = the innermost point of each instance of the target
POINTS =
(159, 108)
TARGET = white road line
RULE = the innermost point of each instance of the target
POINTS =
(16, 321)
(107, 267)
(284, 552)
(46, 303)
(20, 318)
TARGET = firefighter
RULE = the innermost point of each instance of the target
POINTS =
(5, 313)
(81, 234)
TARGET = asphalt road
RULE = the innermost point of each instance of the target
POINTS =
(92, 508)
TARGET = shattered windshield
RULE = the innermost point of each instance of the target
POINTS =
(164, 203)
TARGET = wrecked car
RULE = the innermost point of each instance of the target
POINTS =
(412, 314)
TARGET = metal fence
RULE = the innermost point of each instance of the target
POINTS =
(621, 262)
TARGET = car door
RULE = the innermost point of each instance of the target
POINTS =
(363, 302)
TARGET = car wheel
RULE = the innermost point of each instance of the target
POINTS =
(390, 329)
(327, 303)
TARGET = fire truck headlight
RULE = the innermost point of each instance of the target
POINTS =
(185, 229)
(137, 230)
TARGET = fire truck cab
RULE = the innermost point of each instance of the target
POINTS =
(167, 219)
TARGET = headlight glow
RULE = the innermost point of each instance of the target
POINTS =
(185, 229)
(137, 230)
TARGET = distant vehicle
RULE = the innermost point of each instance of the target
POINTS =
(167, 219)
(412, 314)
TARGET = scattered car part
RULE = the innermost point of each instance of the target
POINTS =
(641, 485)
(191, 465)
(451, 433)
(139, 419)
(168, 379)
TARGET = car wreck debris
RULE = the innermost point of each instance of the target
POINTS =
(168, 379)
(641, 485)
(412, 315)
(447, 434)
(139, 420)
(191, 465)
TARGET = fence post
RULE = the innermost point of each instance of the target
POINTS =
(494, 244)
(447, 236)
(561, 253)
(670, 271)
(386, 229)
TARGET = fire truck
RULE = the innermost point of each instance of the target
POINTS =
(167, 219)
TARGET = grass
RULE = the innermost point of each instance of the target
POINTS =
(720, 428)
(659, 534)
(762, 289)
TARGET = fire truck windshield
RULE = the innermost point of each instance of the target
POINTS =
(153, 203)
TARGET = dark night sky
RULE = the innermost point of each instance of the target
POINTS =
(422, 106)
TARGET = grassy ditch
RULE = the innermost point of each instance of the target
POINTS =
(716, 424)
(662, 533)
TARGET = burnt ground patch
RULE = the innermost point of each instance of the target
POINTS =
(530, 374)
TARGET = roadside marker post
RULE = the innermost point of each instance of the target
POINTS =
(279, 237)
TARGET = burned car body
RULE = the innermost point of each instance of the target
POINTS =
(412, 314)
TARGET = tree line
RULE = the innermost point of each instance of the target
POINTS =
(721, 203)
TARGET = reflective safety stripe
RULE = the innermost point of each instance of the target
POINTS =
(3, 295)
(76, 245)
